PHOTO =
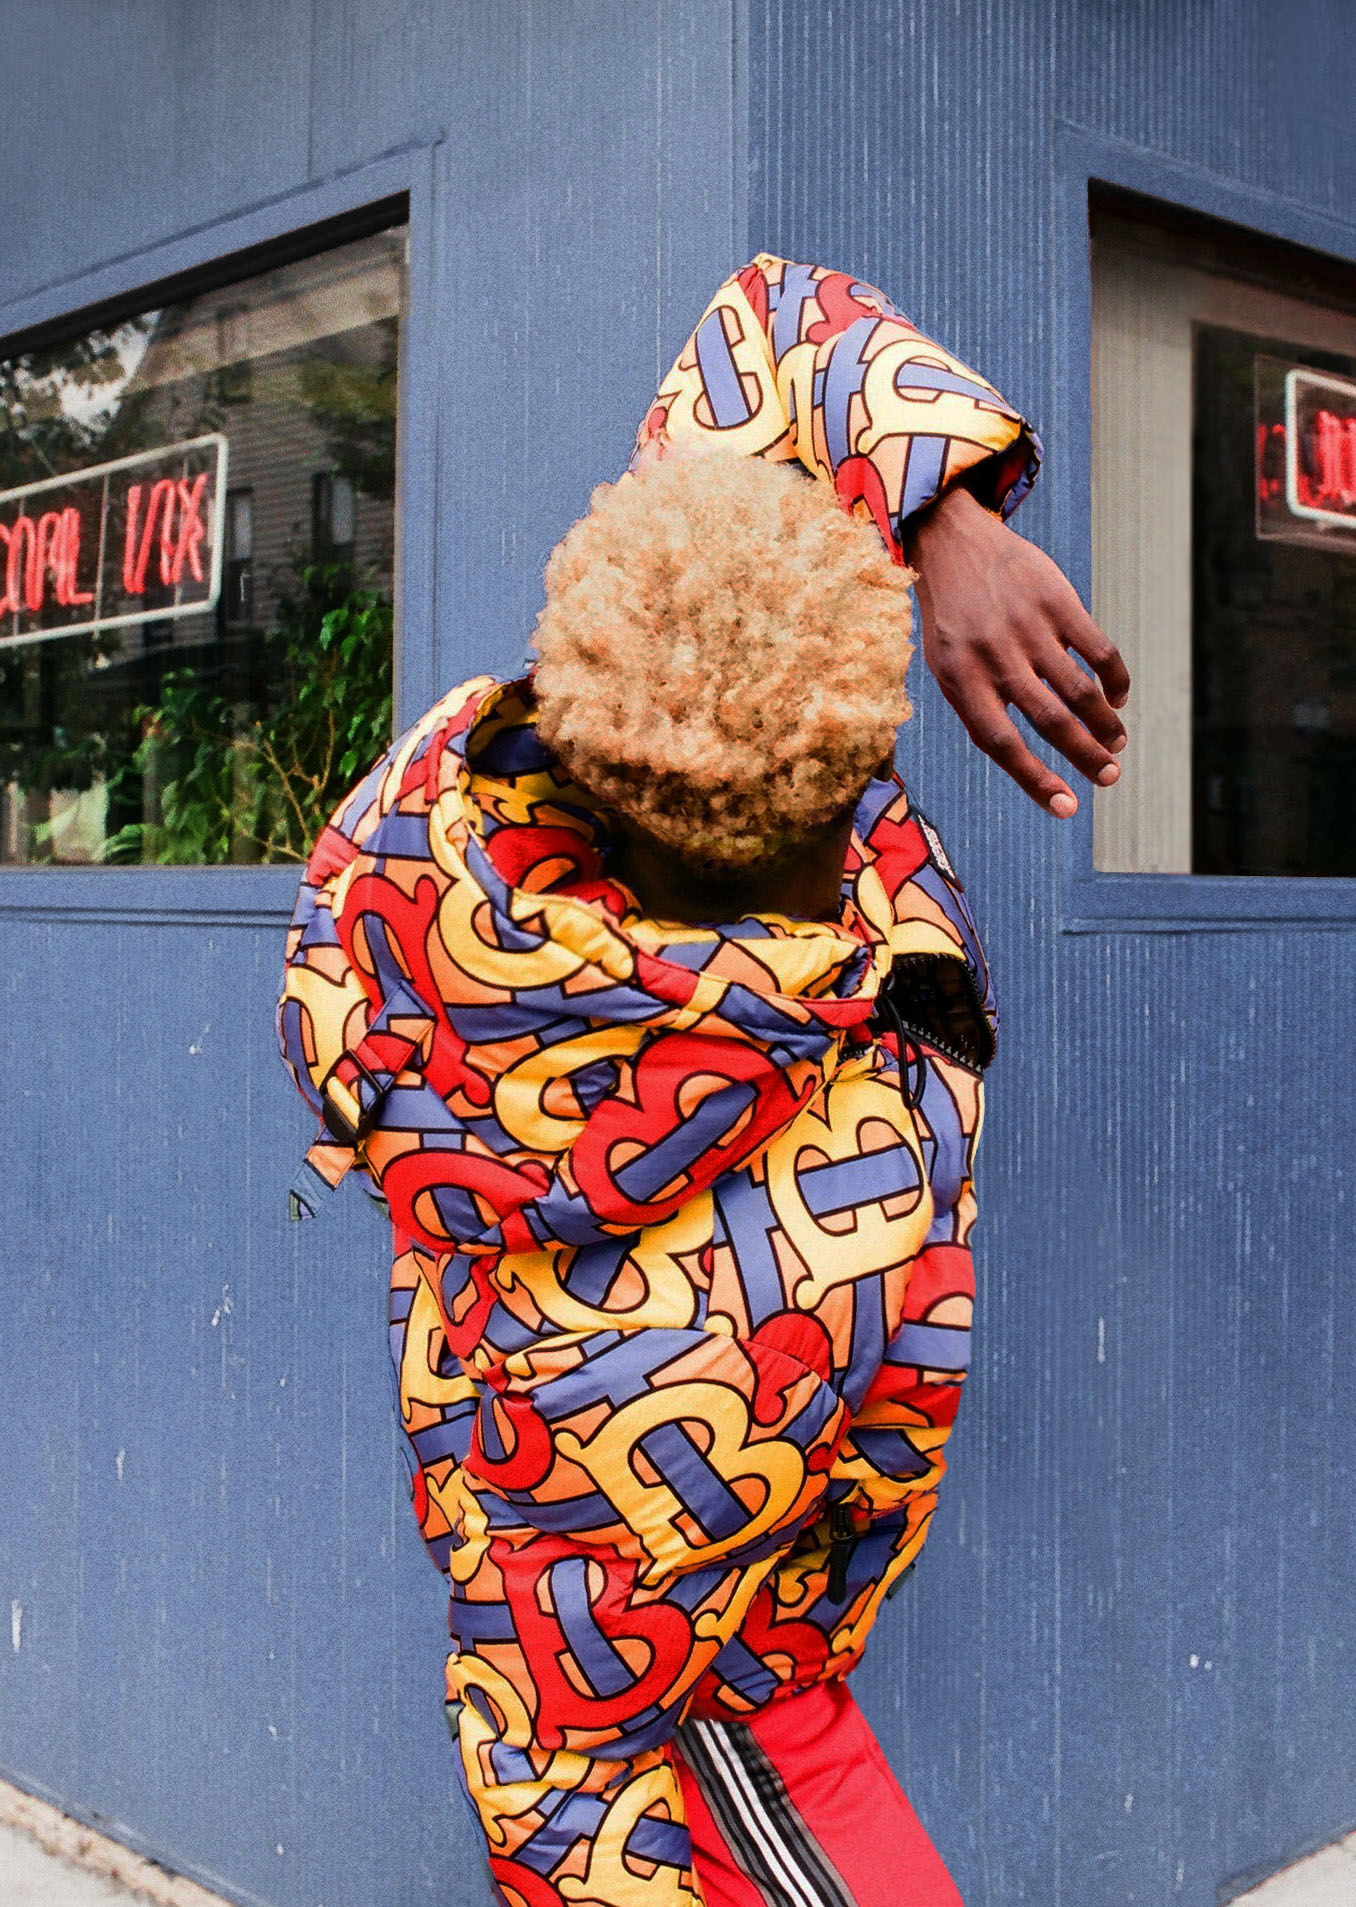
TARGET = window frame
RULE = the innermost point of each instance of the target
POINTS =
(398, 189)
(1098, 901)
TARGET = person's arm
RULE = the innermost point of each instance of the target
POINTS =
(942, 1038)
(799, 363)
(344, 1033)
(812, 1615)
(892, 1454)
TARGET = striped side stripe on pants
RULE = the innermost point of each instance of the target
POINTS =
(797, 1807)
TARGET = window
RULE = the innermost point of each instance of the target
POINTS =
(334, 506)
(197, 533)
(1224, 544)
(237, 581)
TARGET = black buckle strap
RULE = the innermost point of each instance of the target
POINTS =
(337, 1122)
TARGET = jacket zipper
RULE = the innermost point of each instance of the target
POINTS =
(842, 1541)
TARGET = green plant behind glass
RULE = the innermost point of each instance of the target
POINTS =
(233, 787)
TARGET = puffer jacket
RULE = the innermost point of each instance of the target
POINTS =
(681, 1290)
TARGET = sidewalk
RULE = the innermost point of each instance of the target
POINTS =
(97, 1872)
(31, 1877)
(48, 1860)
(1325, 1879)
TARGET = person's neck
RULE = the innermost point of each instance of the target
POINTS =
(804, 883)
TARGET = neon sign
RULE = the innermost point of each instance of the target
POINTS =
(1320, 463)
(135, 540)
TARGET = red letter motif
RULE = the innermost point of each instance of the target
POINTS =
(137, 551)
(130, 541)
(192, 530)
(67, 592)
(1270, 462)
(1333, 448)
(45, 559)
(33, 552)
(20, 561)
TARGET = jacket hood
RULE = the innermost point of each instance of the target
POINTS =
(552, 1066)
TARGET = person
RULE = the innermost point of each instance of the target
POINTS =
(653, 1008)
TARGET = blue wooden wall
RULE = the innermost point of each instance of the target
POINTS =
(1125, 1670)
(1123, 1673)
(229, 1642)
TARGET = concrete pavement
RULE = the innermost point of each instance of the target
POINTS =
(1325, 1879)
(31, 1877)
(47, 1860)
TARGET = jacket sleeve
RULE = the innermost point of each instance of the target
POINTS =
(814, 1611)
(797, 362)
(332, 1011)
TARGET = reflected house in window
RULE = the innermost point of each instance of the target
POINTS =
(1224, 544)
(237, 584)
(334, 518)
(308, 406)
(226, 479)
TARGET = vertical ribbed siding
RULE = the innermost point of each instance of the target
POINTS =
(229, 1645)
(1123, 1671)
(229, 1641)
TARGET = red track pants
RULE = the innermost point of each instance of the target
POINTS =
(798, 1808)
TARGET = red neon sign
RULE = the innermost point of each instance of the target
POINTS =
(1324, 468)
(119, 543)
(177, 542)
(36, 552)
(1326, 476)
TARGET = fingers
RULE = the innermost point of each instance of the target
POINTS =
(993, 731)
(1078, 691)
(1088, 640)
(1008, 631)
(1055, 723)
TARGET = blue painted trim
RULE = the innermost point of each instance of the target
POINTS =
(255, 896)
(1096, 902)
(1201, 903)
(262, 224)
(226, 896)
(417, 438)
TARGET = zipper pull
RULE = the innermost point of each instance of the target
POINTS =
(842, 1542)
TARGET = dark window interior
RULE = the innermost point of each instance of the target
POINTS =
(1273, 624)
(1273, 555)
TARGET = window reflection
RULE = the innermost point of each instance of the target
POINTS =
(196, 552)
(1224, 543)
(1273, 608)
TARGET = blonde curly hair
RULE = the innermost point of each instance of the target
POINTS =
(722, 654)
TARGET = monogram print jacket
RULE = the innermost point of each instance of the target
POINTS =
(681, 1290)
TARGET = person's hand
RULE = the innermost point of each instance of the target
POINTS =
(999, 622)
